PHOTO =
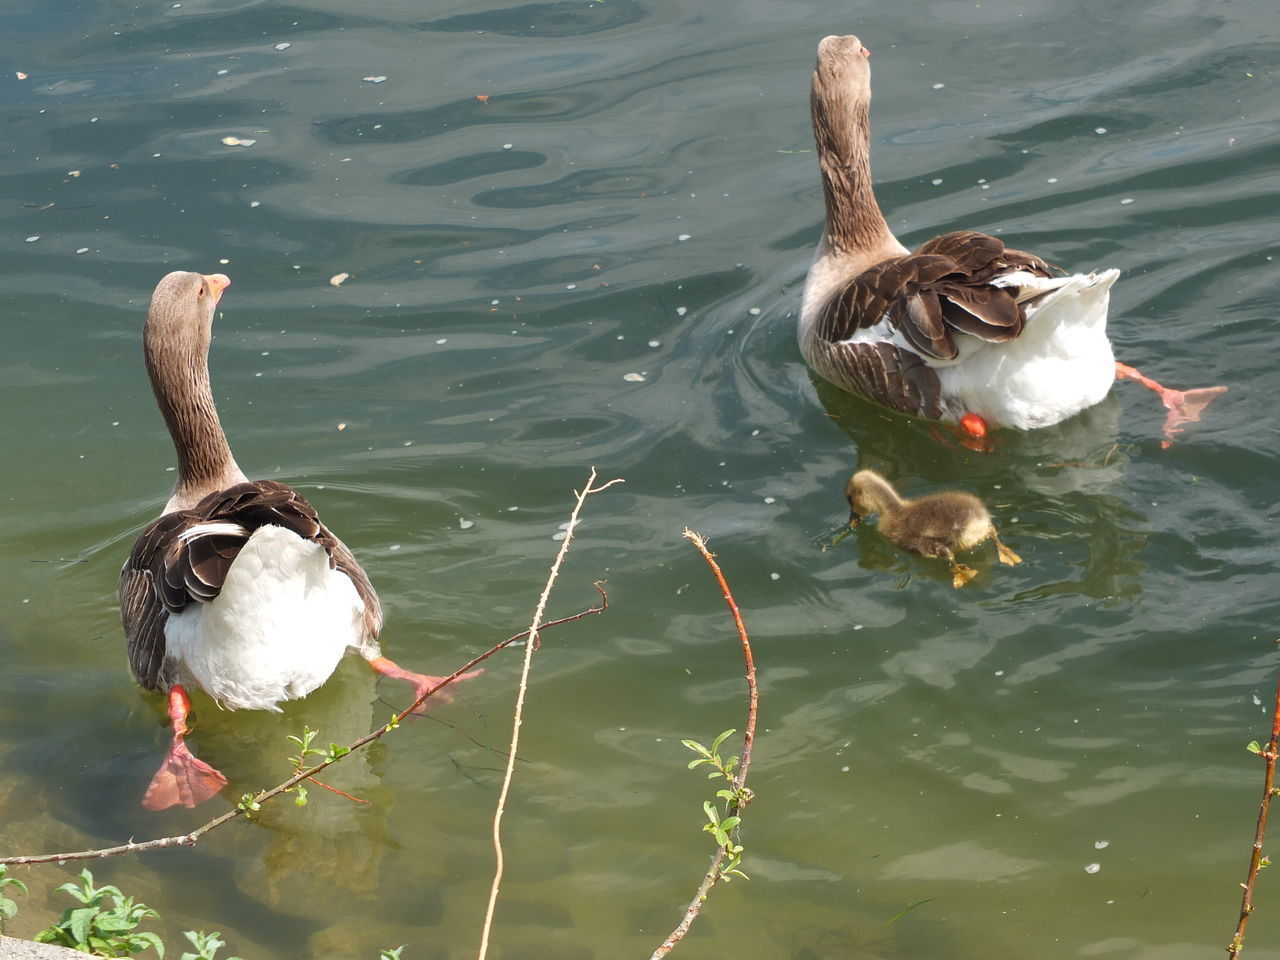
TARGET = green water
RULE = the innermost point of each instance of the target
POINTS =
(514, 260)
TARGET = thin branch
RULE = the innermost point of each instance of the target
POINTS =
(534, 627)
(189, 839)
(748, 739)
(1256, 860)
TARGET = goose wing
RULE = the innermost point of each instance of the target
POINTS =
(941, 289)
(183, 557)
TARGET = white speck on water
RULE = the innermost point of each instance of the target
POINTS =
(938, 86)
(560, 536)
(507, 146)
(224, 261)
(571, 286)
(681, 311)
(442, 340)
(32, 239)
(844, 769)
(1093, 868)
(770, 500)
(408, 443)
(1099, 130)
(254, 203)
(82, 250)
(466, 524)
(655, 344)
(936, 181)
(512, 509)
(266, 353)
(999, 673)
(91, 119)
(115, 423)
(282, 46)
(378, 79)
(1101, 844)
(258, 374)
(754, 311)
(620, 337)
(394, 546)
(1257, 702)
(1052, 180)
(775, 576)
(1127, 200)
(633, 377)
(223, 72)
(682, 238)
(493, 303)
(156, 156)
(857, 626)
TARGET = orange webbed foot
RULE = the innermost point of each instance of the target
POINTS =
(422, 683)
(183, 778)
(1184, 406)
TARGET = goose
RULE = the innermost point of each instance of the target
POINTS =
(939, 524)
(963, 329)
(237, 587)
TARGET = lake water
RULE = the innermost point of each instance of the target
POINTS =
(600, 264)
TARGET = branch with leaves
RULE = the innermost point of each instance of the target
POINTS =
(728, 857)
(1256, 860)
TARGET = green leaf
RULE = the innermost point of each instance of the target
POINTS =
(728, 823)
(715, 744)
(80, 921)
(8, 909)
(696, 747)
(301, 799)
(1253, 747)
(710, 809)
(336, 752)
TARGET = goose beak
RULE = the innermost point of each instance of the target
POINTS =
(216, 282)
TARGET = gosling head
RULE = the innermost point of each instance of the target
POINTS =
(868, 493)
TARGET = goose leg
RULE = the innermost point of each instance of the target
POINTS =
(1006, 555)
(182, 778)
(1184, 406)
(421, 682)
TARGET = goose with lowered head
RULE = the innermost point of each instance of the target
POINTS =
(237, 587)
(963, 329)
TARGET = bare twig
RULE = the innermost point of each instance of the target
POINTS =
(534, 627)
(189, 839)
(740, 779)
(1256, 860)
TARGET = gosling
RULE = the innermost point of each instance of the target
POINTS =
(937, 525)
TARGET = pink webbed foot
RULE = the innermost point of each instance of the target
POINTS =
(182, 778)
(421, 682)
(1184, 406)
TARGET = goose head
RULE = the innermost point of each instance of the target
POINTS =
(176, 347)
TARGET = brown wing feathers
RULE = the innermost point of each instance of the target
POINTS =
(942, 288)
(166, 570)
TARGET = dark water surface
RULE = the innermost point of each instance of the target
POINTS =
(638, 196)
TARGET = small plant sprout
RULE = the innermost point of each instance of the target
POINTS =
(93, 928)
(392, 954)
(8, 908)
(307, 755)
(735, 797)
(207, 945)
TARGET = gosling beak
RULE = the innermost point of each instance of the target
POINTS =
(216, 282)
(854, 518)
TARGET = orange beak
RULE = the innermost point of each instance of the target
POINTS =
(216, 282)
